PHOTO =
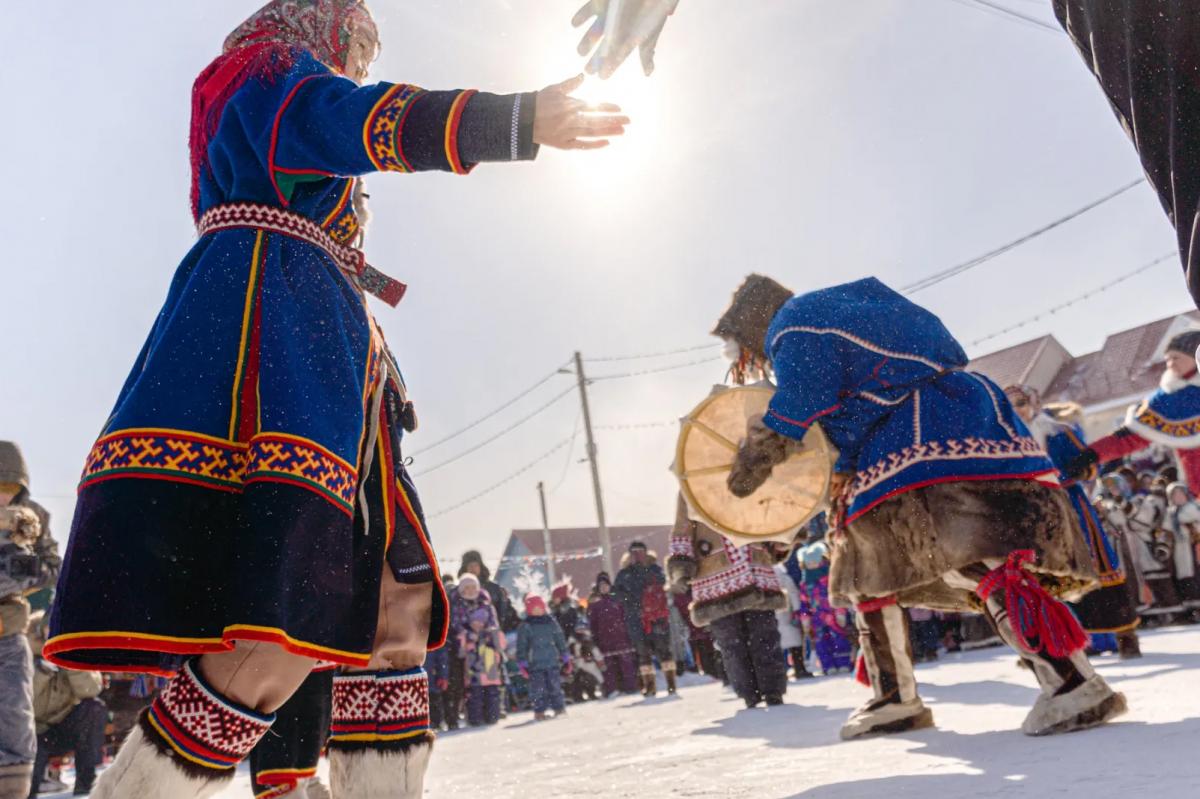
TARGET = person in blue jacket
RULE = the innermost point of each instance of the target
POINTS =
(941, 497)
(246, 512)
(542, 654)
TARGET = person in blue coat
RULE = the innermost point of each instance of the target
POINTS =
(542, 654)
(246, 512)
(942, 498)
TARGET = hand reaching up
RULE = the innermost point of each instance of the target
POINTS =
(568, 123)
(618, 27)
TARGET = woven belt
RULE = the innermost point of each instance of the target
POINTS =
(352, 262)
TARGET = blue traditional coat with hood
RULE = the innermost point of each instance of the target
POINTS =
(249, 483)
(887, 383)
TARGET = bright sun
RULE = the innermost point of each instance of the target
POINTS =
(638, 96)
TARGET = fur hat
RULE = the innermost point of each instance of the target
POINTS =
(749, 315)
(533, 602)
(637, 544)
(1181, 486)
(1185, 343)
(12, 465)
(473, 556)
(602, 577)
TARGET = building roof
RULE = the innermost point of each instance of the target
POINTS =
(1128, 365)
(570, 542)
(1010, 366)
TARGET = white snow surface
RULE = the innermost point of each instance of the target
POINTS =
(705, 743)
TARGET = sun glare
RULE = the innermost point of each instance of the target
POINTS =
(612, 169)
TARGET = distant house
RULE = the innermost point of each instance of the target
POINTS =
(569, 545)
(1105, 383)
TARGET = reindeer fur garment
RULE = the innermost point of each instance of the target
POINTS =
(906, 545)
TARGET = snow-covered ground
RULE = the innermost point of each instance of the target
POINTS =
(705, 743)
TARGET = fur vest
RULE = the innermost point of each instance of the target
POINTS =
(724, 578)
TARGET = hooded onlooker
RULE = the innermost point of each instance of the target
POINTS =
(29, 564)
(542, 652)
(467, 596)
(481, 646)
(1183, 519)
(640, 589)
(472, 563)
(606, 617)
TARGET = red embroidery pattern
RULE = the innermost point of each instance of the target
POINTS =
(226, 465)
(385, 127)
(403, 702)
(203, 727)
(352, 262)
(741, 574)
(380, 707)
(354, 703)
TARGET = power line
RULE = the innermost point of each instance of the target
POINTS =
(1011, 14)
(958, 269)
(562, 478)
(611, 358)
(1086, 295)
(537, 411)
(487, 416)
(658, 370)
(503, 482)
(638, 425)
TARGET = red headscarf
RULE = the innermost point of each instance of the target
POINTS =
(262, 47)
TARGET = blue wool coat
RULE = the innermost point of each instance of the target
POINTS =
(886, 381)
(540, 643)
(224, 499)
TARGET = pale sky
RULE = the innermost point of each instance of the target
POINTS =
(817, 141)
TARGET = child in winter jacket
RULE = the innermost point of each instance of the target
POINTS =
(481, 646)
(542, 652)
(437, 665)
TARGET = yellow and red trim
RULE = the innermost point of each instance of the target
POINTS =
(245, 404)
(453, 121)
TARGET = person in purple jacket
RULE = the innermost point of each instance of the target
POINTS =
(606, 617)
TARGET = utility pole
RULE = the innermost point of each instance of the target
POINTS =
(605, 541)
(546, 544)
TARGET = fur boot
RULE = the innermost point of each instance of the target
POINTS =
(379, 774)
(649, 681)
(14, 781)
(142, 770)
(1074, 697)
(669, 673)
(895, 707)
(1090, 704)
(1128, 647)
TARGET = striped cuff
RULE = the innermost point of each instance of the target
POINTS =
(385, 709)
(203, 727)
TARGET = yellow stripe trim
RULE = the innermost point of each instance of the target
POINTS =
(341, 204)
(247, 310)
(146, 636)
(182, 752)
(294, 641)
(371, 736)
(452, 158)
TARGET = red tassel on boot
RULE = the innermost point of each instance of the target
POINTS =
(1033, 614)
(860, 671)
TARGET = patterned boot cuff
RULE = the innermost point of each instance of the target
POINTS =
(386, 710)
(207, 733)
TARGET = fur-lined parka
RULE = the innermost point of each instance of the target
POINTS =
(724, 578)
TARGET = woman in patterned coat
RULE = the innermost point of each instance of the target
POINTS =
(246, 512)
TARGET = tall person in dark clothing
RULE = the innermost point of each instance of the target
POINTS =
(639, 588)
(1145, 55)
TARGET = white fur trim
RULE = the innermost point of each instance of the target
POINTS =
(1054, 714)
(372, 774)
(141, 770)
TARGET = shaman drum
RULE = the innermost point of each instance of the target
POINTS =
(796, 491)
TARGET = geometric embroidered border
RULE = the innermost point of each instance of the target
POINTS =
(380, 707)
(384, 126)
(953, 450)
(204, 460)
(1184, 428)
(203, 727)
